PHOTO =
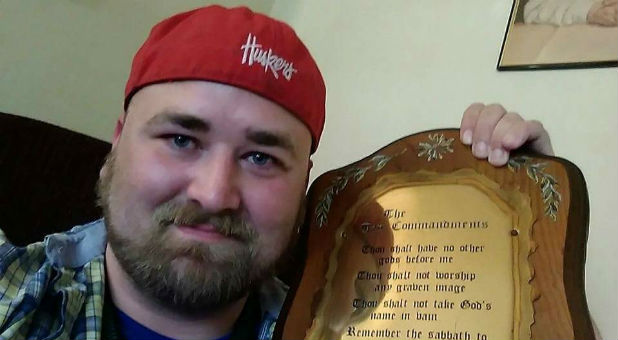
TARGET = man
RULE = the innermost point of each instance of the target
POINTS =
(202, 192)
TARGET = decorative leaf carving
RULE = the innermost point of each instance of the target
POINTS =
(339, 183)
(547, 183)
(379, 161)
(358, 175)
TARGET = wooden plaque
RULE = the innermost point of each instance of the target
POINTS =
(420, 240)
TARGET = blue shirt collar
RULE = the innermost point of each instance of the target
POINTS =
(78, 246)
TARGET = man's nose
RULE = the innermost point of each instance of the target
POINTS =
(214, 183)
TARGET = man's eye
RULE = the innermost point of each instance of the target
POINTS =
(259, 158)
(181, 141)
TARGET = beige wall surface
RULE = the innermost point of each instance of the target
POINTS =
(66, 61)
(392, 68)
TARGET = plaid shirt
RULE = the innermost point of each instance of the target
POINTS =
(55, 289)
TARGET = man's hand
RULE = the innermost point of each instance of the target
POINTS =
(494, 133)
(604, 13)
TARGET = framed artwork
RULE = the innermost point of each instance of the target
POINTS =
(553, 34)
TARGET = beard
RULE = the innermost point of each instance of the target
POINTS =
(186, 276)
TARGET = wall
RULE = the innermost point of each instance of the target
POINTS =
(392, 68)
(66, 61)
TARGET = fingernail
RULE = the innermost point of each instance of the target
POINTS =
(467, 137)
(497, 157)
(480, 149)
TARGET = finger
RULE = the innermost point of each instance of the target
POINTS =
(468, 122)
(510, 133)
(538, 138)
(485, 125)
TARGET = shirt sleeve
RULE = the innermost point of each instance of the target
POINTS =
(18, 276)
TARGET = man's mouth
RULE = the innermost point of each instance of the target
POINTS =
(203, 232)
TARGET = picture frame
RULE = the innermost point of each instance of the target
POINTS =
(557, 34)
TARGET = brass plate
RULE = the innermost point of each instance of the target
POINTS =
(426, 255)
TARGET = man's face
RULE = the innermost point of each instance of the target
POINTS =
(202, 191)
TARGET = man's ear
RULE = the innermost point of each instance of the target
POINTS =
(115, 139)
(309, 166)
(118, 129)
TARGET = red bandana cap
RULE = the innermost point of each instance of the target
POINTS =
(236, 47)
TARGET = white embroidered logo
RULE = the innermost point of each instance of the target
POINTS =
(253, 53)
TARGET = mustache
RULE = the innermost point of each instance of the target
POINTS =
(227, 223)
